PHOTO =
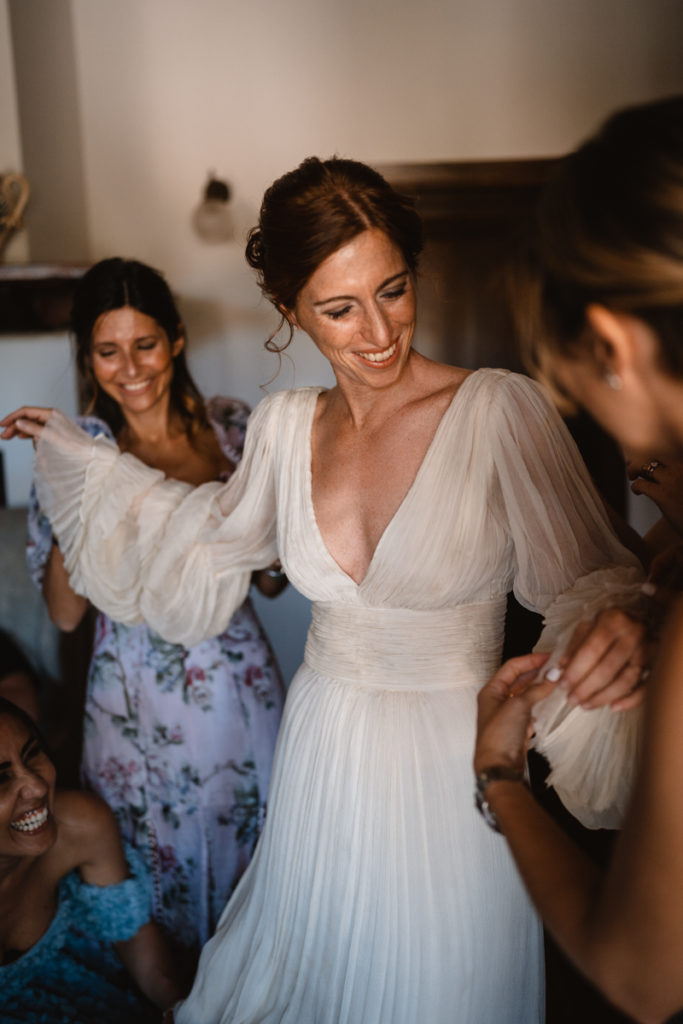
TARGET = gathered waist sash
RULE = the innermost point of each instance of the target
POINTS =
(404, 649)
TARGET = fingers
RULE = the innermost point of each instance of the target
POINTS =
(647, 470)
(632, 468)
(22, 428)
(31, 412)
(503, 736)
(645, 485)
(634, 700)
(622, 687)
(614, 644)
(538, 692)
(512, 670)
(25, 422)
(641, 466)
(498, 691)
(523, 682)
(663, 484)
(582, 631)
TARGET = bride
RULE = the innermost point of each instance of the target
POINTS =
(405, 502)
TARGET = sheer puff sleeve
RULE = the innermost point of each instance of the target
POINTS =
(569, 566)
(145, 548)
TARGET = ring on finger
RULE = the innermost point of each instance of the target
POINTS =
(648, 470)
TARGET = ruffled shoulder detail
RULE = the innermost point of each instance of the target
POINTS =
(592, 754)
(39, 531)
(145, 548)
(114, 913)
(505, 388)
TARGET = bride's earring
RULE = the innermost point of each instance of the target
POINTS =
(613, 381)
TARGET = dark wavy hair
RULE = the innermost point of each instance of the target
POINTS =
(609, 230)
(112, 284)
(308, 213)
(11, 710)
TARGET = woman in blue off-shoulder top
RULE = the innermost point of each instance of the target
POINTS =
(76, 938)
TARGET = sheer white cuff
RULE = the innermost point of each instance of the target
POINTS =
(592, 754)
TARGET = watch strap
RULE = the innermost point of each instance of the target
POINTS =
(483, 779)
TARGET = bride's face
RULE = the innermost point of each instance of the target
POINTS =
(359, 309)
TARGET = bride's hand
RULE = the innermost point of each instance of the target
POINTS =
(606, 662)
(504, 722)
(25, 422)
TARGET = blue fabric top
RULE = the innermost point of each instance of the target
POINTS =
(72, 975)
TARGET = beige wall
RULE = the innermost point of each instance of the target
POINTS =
(164, 90)
(126, 104)
(49, 121)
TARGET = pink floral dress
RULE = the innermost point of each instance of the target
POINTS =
(179, 740)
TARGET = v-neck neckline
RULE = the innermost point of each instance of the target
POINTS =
(358, 584)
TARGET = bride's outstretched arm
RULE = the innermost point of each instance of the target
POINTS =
(143, 547)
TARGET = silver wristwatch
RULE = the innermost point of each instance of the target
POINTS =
(482, 780)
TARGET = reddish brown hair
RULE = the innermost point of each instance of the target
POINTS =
(312, 211)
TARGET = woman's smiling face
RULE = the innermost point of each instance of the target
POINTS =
(359, 309)
(27, 784)
(132, 359)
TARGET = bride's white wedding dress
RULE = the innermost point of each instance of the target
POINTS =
(377, 895)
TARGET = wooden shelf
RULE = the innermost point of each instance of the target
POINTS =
(37, 297)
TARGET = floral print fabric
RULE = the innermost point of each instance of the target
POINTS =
(179, 741)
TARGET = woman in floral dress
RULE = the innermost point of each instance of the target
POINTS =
(178, 739)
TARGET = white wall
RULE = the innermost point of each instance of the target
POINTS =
(49, 120)
(170, 89)
(37, 369)
(163, 91)
(166, 90)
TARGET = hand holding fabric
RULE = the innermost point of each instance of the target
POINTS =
(505, 710)
(26, 422)
(605, 661)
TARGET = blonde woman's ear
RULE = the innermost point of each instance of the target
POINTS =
(623, 343)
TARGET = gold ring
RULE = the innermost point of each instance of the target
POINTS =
(647, 471)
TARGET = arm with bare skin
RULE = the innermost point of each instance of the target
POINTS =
(623, 928)
(65, 607)
(91, 831)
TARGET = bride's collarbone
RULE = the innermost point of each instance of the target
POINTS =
(372, 470)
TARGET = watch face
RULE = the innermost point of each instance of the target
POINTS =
(482, 804)
(487, 814)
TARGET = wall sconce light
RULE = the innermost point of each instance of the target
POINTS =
(212, 219)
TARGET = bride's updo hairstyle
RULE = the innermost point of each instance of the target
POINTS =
(112, 284)
(609, 230)
(312, 211)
